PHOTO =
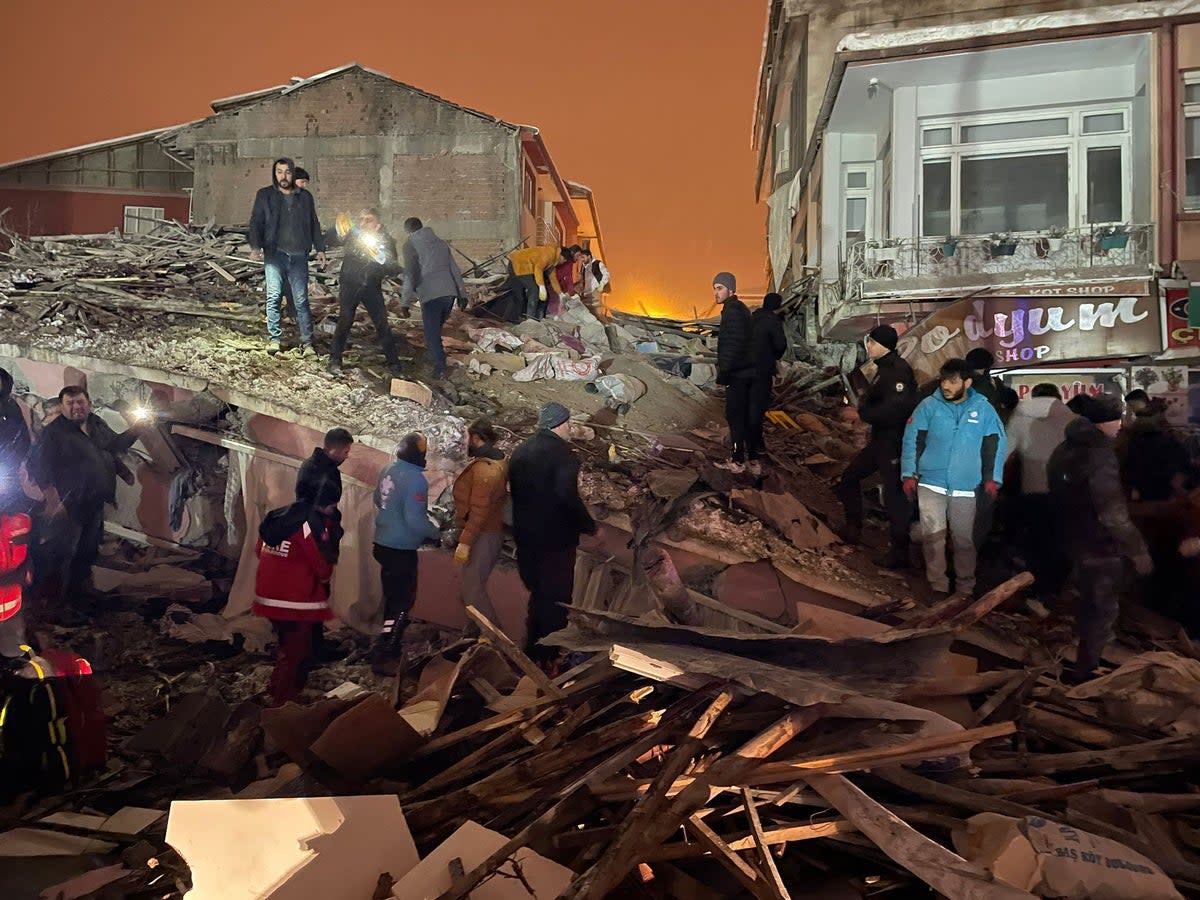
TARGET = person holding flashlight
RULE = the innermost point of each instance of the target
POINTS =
(370, 258)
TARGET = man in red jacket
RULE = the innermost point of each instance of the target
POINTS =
(297, 552)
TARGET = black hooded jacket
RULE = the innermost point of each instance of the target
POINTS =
(734, 342)
(362, 272)
(280, 524)
(1085, 485)
(319, 481)
(768, 341)
(890, 399)
(264, 218)
(14, 432)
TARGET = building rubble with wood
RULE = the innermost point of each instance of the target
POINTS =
(752, 710)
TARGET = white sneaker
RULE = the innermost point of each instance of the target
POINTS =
(736, 468)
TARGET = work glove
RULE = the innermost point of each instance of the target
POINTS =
(1143, 564)
(910, 487)
(462, 553)
(343, 224)
(542, 292)
(991, 489)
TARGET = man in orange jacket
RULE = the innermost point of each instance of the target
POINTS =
(480, 493)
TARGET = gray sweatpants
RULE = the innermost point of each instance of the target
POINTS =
(941, 513)
(484, 553)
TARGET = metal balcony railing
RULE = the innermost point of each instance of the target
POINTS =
(883, 263)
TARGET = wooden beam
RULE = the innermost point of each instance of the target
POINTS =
(505, 645)
(770, 871)
(709, 840)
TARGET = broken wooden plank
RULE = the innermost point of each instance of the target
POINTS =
(505, 645)
(709, 840)
(778, 889)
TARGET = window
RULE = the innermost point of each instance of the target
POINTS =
(529, 190)
(1191, 140)
(1028, 172)
(783, 149)
(858, 213)
(143, 219)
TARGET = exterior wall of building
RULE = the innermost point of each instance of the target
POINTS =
(366, 141)
(51, 210)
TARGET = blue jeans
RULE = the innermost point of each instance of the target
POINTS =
(277, 266)
(434, 314)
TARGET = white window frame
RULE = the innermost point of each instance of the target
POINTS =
(783, 148)
(137, 216)
(864, 193)
(1190, 111)
(1075, 144)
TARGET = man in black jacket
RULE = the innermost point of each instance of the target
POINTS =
(1094, 524)
(885, 406)
(319, 474)
(370, 257)
(548, 518)
(735, 366)
(76, 462)
(14, 439)
(283, 229)
(768, 344)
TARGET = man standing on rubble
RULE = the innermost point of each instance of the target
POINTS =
(885, 406)
(597, 281)
(480, 493)
(432, 276)
(548, 518)
(735, 367)
(529, 266)
(283, 229)
(370, 257)
(953, 453)
(1085, 484)
(768, 344)
(76, 463)
(300, 179)
(14, 439)
(320, 474)
(402, 525)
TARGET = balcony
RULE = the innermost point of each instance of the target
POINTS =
(950, 267)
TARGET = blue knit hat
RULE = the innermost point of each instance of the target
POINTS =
(552, 415)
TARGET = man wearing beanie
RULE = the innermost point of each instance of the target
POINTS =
(1085, 483)
(401, 526)
(548, 518)
(768, 344)
(885, 406)
(735, 366)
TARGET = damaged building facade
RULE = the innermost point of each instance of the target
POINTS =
(1026, 183)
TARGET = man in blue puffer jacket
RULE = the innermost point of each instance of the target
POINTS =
(401, 526)
(954, 447)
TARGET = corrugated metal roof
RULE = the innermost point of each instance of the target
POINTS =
(98, 145)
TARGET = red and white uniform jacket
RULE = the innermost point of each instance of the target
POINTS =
(14, 562)
(292, 583)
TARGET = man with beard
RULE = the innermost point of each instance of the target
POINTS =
(735, 367)
(953, 453)
(283, 229)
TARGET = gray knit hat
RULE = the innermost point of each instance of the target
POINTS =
(552, 415)
(726, 279)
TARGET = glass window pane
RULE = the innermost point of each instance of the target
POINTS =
(935, 198)
(936, 137)
(1011, 131)
(856, 215)
(1191, 92)
(1014, 193)
(856, 179)
(1192, 171)
(1104, 185)
(1103, 123)
(1191, 137)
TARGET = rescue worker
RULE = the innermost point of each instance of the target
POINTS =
(283, 229)
(529, 266)
(297, 552)
(953, 453)
(370, 257)
(1085, 485)
(432, 276)
(885, 406)
(321, 472)
(768, 343)
(402, 525)
(76, 463)
(480, 494)
(597, 281)
(735, 367)
(15, 529)
(548, 518)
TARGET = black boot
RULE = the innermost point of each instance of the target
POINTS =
(388, 648)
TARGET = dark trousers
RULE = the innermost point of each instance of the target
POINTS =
(549, 575)
(760, 402)
(398, 571)
(348, 301)
(1040, 544)
(434, 314)
(527, 291)
(737, 415)
(294, 657)
(1100, 582)
(72, 545)
(881, 455)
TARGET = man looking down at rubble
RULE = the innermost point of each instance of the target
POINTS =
(297, 552)
(370, 257)
(402, 525)
(321, 472)
(529, 265)
(432, 276)
(76, 463)
(885, 405)
(548, 518)
(480, 493)
(283, 229)
(735, 366)
(953, 451)
(1085, 485)
(768, 344)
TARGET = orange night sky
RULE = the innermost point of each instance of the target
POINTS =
(648, 102)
